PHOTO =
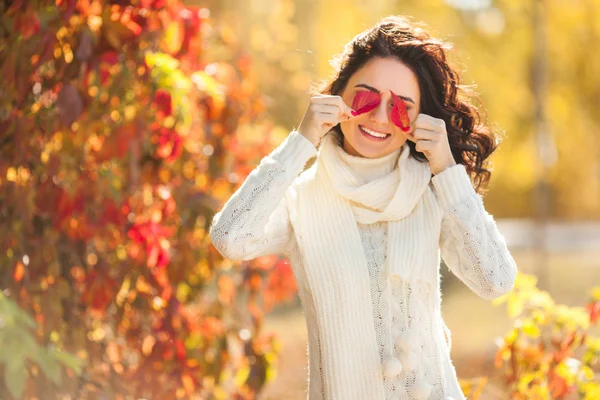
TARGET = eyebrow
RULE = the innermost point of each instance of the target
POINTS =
(371, 88)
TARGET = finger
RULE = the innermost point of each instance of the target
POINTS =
(430, 123)
(328, 112)
(337, 101)
(424, 146)
(326, 109)
(424, 134)
(329, 118)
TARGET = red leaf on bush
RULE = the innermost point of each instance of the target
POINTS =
(154, 238)
(191, 26)
(558, 385)
(365, 101)
(163, 101)
(99, 290)
(112, 213)
(27, 24)
(70, 6)
(399, 115)
(211, 327)
(18, 272)
(281, 285)
(48, 43)
(170, 144)
(106, 61)
(168, 207)
(226, 290)
(117, 143)
(180, 346)
(594, 311)
(153, 4)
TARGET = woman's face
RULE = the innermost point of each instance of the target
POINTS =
(380, 75)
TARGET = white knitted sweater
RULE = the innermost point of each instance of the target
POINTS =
(255, 221)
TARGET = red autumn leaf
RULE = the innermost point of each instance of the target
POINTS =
(188, 383)
(226, 290)
(568, 340)
(166, 293)
(158, 254)
(191, 26)
(106, 60)
(117, 143)
(153, 4)
(27, 24)
(154, 238)
(558, 385)
(265, 263)
(163, 101)
(168, 207)
(69, 7)
(112, 213)
(170, 144)
(130, 23)
(19, 272)
(365, 101)
(594, 311)
(399, 114)
(99, 290)
(211, 327)
(110, 57)
(281, 285)
(180, 346)
(47, 46)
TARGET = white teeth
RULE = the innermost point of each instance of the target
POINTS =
(372, 133)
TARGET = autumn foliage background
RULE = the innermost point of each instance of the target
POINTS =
(117, 147)
(125, 125)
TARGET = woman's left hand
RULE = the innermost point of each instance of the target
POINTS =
(431, 139)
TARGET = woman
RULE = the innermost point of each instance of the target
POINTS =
(365, 225)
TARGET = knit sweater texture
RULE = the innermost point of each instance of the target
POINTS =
(404, 318)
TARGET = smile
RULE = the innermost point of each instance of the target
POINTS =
(373, 135)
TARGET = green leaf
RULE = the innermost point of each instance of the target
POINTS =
(49, 365)
(69, 360)
(15, 378)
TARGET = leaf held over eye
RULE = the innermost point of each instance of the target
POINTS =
(399, 114)
(365, 101)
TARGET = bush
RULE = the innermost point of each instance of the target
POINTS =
(119, 139)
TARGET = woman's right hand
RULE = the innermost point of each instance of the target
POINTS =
(323, 113)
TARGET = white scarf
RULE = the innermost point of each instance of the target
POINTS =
(332, 198)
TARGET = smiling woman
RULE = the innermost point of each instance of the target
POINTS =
(364, 227)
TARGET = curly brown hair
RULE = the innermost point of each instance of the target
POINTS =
(471, 140)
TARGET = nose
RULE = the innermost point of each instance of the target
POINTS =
(380, 114)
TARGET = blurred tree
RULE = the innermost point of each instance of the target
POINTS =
(494, 44)
(124, 125)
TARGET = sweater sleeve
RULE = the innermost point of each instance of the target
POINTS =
(470, 243)
(255, 222)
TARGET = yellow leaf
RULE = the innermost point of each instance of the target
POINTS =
(515, 307)
(531, 329)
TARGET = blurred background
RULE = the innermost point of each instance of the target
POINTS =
(125, 125)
